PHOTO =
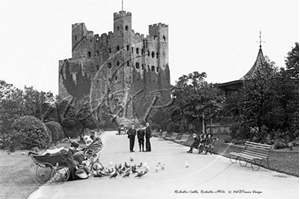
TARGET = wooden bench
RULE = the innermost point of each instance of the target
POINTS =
(183, 139)
(173, 137)
(253, 153)
(163, 134)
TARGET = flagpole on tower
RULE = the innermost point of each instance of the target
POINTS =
(122, 5)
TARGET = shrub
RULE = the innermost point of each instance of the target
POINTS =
(279, 145)
(72, 127)
(56, 131)
(29, 132)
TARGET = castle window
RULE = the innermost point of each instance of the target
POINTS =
(116, 78)
(156, 55)
(157, 69)
(137, 50)
(155, 36)
(109, 50)
(118, 48)
(89, 54)
(152, 68)
(109, 65)
(127, 63)
(153, 54)
(118, 63)
(164, 38)
(75, 38)
(137, 65)
(91, 40)
(132, 49)
(97, 52)
(127, 47)
(143, 51)
(126, 27)
(97, 67)
(143, 66)
(109, 79)
(148, 53)
(118, 27)
(148, 67)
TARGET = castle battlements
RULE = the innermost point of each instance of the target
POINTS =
(122, 14)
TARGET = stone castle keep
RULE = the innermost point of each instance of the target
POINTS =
(126, 74)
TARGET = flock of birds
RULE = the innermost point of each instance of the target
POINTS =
(124, 170)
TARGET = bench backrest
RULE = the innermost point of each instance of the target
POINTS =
(164, 134)
(174, 136)
(185, 137)
(256, 149)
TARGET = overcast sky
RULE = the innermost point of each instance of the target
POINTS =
(218, 37)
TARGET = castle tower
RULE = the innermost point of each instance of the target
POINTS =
(127, 70)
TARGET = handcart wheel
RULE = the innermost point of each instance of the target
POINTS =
(43, 173)
(60, 174)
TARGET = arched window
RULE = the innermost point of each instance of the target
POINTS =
(155, 36)
(164, 38)
(89, 54)
(148, 67)
(126, 27)
(153, 54)
(118, 48)
(97, 67)
(127, 63)
(152, 68)
(137, 50)
(148, 53)
(97, 52)
(157, 54)
(109, 50)
(91, 40)
(116, 78)
(143, 66)
(157, 69)
(75, 38)
(127, 47)
(137, 65)
(118, 63)
(109, 65)
(118, 28)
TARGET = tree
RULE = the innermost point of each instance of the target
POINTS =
(292, 62)
(195, 100)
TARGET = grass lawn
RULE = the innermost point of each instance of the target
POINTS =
(16, 180)
(15, 175)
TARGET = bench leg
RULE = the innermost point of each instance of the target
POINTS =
(242, 164)
(256, 163)
(231, 159)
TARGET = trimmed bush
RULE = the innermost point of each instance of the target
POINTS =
(56, 131)
(29, 132)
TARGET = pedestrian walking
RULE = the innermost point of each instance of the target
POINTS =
(148, 136)
(195, 143)
(141, 137)
(131, 135)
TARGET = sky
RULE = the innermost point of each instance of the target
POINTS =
(219, 37)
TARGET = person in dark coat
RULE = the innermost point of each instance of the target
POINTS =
(141, 138)
(131, 135)
(195, 143)
(148, 136)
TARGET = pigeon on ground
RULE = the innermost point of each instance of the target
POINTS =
(126, 175)
(126, 165)
(133, 170)
(120, 166)
(140, 165)
(131, 159)
(156, 169)
(114, 175)
(163, 166)
(159, 162)
(140, 174)
(187, 165)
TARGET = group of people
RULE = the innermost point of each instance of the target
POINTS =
(142, 134)
(203, 142)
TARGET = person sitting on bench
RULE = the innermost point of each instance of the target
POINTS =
(195, 143)
(209, 143)
(202, 143)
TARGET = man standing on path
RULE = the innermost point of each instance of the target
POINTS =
(131, 135)
(141, 138)
(148, 136)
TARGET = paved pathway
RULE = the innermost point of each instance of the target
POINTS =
(209, 176)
